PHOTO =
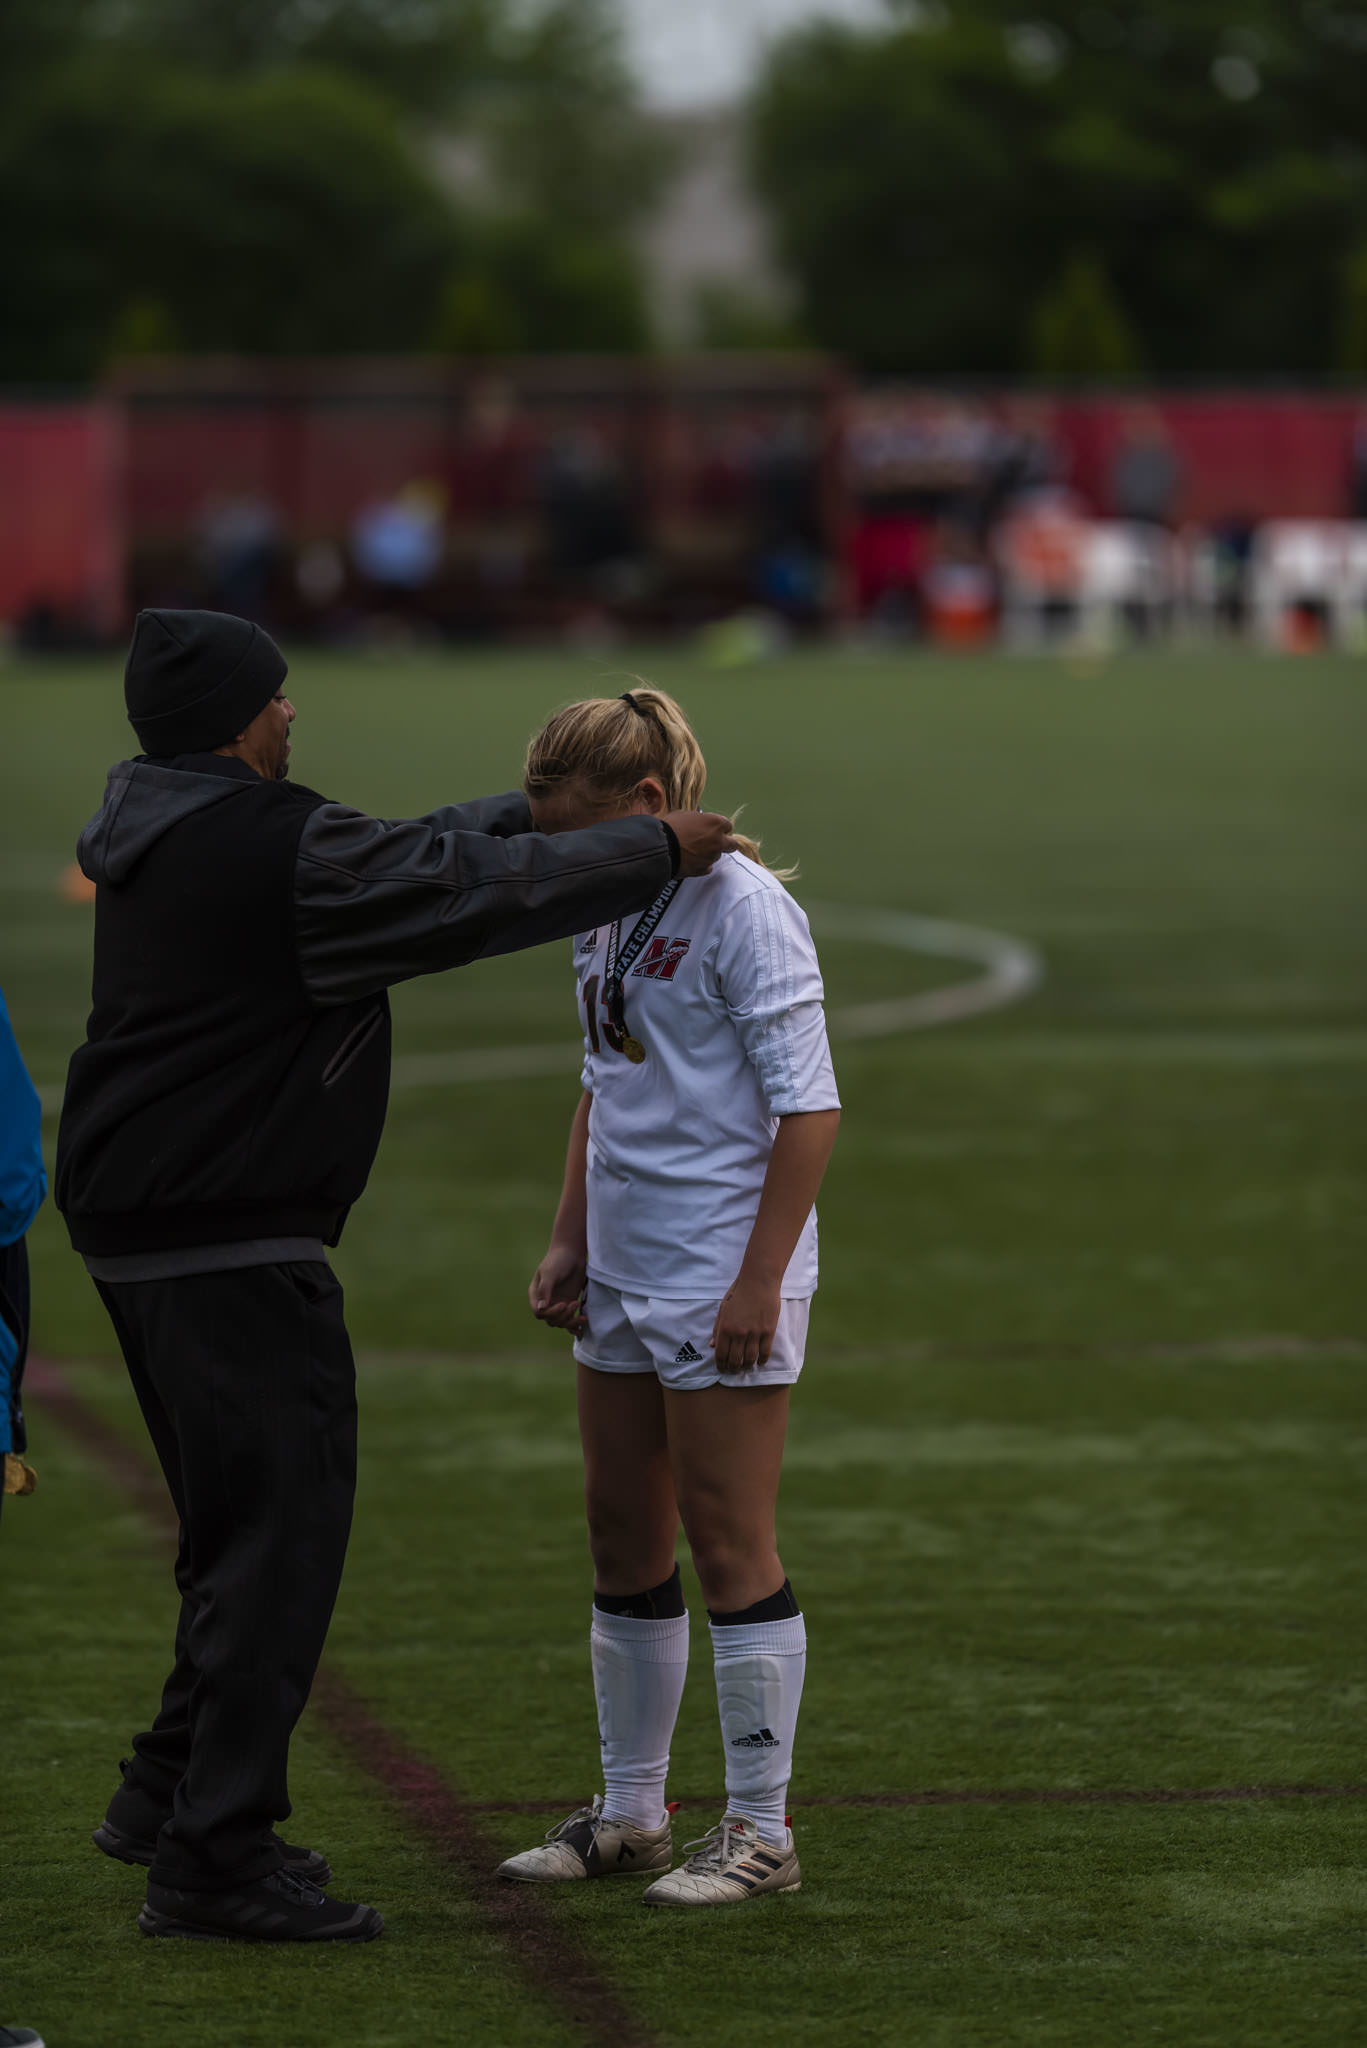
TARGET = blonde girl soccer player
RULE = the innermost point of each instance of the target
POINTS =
(683, 1260)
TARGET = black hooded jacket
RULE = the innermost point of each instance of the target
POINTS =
(235, 1073)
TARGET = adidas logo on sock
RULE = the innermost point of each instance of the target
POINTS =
(686, 1355)
(763, 1738)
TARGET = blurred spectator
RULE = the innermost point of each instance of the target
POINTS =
(239, 547)
(320, 573)
(958, 588)
(1026, 458)
(1357, 468)
(918, 463)
(1231, 554)
(785, 484)
(1041, 549)
(911, 453)
(491, 471)
(887, 555)
(590, 519)
(397, 543)
(1145, 472)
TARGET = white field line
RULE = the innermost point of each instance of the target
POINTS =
(1012, 970)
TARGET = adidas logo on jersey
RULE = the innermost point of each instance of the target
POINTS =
(763, 1738)
(686, 1355)
(588, 942)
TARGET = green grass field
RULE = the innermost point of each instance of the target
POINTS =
(1073, 1498)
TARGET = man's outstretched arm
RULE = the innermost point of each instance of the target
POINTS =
(377, 901)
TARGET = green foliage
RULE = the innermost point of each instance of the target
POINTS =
(424, 53)
(726, 315)
(573, 291)
(272, 214)
(1078, 330)
(254, 176)
(928, 179)
(1352, 333)
(475, 317)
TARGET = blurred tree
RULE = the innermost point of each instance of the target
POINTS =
(727, 316)
(1352, 331)
(275, 214)
(930, 182)
(541, 88)
(260, 175)
(1078, 329)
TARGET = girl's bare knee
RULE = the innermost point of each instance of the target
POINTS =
(733, 1574)
(630, 1552)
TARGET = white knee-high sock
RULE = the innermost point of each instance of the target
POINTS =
(760, 1667)
(638, 1679)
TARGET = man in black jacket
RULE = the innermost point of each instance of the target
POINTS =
(219, 1122)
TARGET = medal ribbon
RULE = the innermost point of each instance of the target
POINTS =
(619, 963)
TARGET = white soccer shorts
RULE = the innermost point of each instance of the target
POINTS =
(673, 1339)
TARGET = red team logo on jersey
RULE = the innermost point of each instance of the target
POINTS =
(660, 961)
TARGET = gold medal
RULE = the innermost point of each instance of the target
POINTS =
(633, 1049)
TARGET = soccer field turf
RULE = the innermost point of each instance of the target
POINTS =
(1073, 1498)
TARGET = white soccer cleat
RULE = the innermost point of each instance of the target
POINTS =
(586, 1845)
(727, 1867)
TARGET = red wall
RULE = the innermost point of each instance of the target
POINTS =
(1261, 457)
(61, 511)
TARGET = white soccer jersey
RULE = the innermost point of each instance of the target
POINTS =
(725, 997)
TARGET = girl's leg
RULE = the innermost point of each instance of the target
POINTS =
(726, 1449)
(628, 1488)
(639, 1638)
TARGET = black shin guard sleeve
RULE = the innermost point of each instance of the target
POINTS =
(658, 1603)
(780, 1606)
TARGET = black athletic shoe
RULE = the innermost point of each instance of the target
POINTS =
(308, 1863)
(20, 2037)
(280, 1907)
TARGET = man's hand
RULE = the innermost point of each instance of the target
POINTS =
(743, 1334)
(703, 837)
(557, 1289)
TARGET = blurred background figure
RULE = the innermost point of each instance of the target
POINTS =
(23, 1184)
(397, 549)
(241, 552)
(1042, 553)
(1145, 473)
(959, 588)
(1026, 457)
(593, 537)
(1357, 468)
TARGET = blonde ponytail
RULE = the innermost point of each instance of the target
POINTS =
(612, 743)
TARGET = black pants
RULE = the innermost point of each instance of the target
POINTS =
(248, 1388)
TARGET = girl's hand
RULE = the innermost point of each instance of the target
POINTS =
(743, 1334)
(556, 1294)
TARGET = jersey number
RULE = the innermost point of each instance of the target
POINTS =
(611, 1035)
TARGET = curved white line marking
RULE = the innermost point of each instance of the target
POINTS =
(1014, 969)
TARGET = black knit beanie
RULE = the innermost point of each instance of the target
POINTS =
(196, 679)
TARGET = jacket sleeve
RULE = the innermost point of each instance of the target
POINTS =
(23, 1182)
(502, 817)
(379, 900)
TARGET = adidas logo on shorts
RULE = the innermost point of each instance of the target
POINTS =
(686, 1355)
(763, 1738)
